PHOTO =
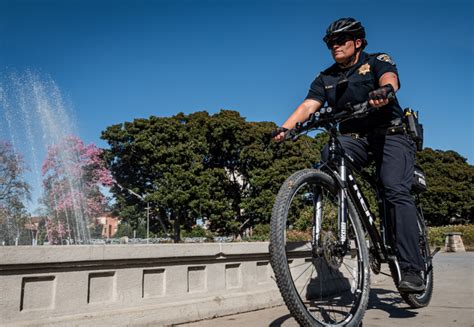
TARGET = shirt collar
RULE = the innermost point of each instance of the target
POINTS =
(363, 57)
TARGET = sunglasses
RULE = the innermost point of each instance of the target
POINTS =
(338, 40)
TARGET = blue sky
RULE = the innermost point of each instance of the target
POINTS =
(119, 60)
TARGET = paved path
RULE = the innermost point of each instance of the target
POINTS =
(452, 303)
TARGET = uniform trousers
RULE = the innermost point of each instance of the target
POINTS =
(394, 157)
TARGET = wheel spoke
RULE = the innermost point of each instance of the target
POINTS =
(309, 265)
(312, 270)
(301, 264)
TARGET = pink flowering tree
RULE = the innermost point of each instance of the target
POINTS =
(73, 174)
(55, 230)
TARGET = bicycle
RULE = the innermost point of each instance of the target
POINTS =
(343, 244)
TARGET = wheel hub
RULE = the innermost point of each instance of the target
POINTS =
(331, 250)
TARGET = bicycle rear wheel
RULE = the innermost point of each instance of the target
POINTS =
(323, 282)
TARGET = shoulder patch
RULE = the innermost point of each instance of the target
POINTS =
(385, 57)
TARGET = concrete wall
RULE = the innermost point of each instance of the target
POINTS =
(133, 285)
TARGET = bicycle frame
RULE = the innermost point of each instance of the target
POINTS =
(339, 166)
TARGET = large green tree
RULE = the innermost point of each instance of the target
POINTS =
(190, 166)
(450, 182)
(159, 159)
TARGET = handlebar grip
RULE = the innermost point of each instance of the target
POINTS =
(278, 131)
(348, 107)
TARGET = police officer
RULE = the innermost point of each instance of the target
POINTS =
(355, 77)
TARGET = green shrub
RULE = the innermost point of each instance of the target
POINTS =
(298, 236)
(197, 231)
(261, 232)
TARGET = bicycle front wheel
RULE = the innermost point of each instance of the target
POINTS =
(323, 282)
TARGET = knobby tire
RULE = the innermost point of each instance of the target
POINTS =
(279, 259)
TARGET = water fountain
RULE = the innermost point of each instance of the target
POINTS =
(34, 117)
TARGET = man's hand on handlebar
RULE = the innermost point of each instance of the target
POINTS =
(381, 96)
(278, 135)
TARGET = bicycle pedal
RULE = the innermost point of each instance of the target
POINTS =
(436, 250)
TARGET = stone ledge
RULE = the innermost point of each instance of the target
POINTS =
(156, 284)
(166, 314)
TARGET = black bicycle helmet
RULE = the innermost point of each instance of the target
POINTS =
(346, 26)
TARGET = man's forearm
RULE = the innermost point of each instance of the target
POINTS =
(302, 113)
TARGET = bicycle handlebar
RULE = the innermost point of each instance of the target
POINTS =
(328, 116)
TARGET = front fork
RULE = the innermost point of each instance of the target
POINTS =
(341, 214)
(342, 205)
(318, 217)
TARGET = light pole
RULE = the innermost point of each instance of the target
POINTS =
(147, 221)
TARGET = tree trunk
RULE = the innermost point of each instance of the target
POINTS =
(177, 232)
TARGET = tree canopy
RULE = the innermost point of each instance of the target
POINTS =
(450, 182)
(219, 166)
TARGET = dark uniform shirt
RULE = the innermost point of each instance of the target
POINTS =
(338, 86)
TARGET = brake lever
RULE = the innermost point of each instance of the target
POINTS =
(294, 134)
(391, 96)
(289, 135)
(365, 108)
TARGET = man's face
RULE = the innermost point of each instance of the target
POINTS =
(343, 47)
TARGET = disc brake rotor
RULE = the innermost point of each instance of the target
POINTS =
(333, 259)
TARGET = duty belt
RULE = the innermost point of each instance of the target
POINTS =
(391, 130)
(396, 127)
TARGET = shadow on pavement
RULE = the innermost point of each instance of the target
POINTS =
(379, 299)
(279, 321)
(391, 302)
